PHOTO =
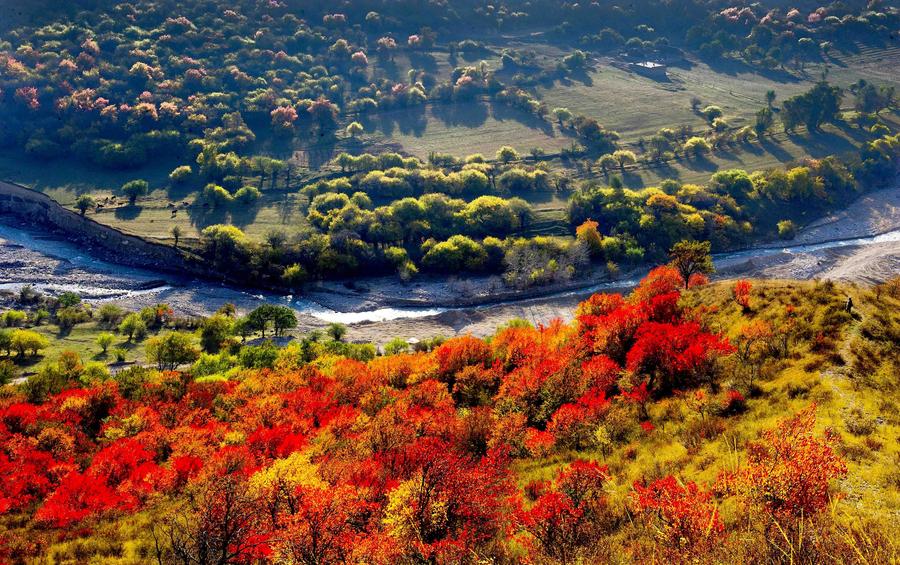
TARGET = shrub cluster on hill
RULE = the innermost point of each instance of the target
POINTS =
(529, 446)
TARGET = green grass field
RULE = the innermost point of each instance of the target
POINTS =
(465, 128)
(82, 340)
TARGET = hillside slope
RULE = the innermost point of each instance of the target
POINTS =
(729, 422)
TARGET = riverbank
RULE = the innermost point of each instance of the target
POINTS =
(873, 213)
(380, 309)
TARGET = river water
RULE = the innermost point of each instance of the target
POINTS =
(53, 265)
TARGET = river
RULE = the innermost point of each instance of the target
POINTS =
(53, 265)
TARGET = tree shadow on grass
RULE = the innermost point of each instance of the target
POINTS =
(413, 122)
(665, 170)
(203, 216)
(389, 68)
(409, 121)
(423, 61)
(823, 143)
(855, 133)
(732, 67)
(775, 150)
(28, 362)
(728, 155)
(502, 112)
(752, 148)
(242, 215)
(633, 180)
(700, 163)
(180, 191)
(286, 208)
(129, 212)
(469, 114)
(321, 151)
(582, 76)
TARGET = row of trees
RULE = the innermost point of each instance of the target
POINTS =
(735, 206)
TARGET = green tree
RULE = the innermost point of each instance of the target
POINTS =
(624, 157)
(110, 315)
(84, 203)
(293, 276)
(821, 104)
(214, 331)
(506, 154)
(14, 318)
(8, 372)
(104, 340)
(607, 162)
(336, 331)
(28, 341)
(170, 350)
(68, 299)
(135, 189)
(355, 129)
(764, 120)
(562, 115)
(6, 341)
(690, 258)
(395, 346)
(283, 318)
(133, 326)
(181, 174)
(696, 146)
(786, 229)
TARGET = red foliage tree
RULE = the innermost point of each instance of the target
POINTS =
(675, 356)
(323, 525)
(741, 293)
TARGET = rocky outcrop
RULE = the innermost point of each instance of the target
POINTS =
(40, 210)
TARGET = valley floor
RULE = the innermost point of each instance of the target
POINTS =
(27, 257)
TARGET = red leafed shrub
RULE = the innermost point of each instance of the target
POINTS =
(322, 525)
(661, 280)
(539, 443)
(734, 402)
(600, 304)
(573, 424)
(79, 496)
(611, 334)
(601, 372)
(447, 503)
(741, 293)
(536, 489)
(789, 469)
(571, 516)
(663, 308)
(683, 514)
(697, 279)
(675, 356)
(27, 475)
(456, 353)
